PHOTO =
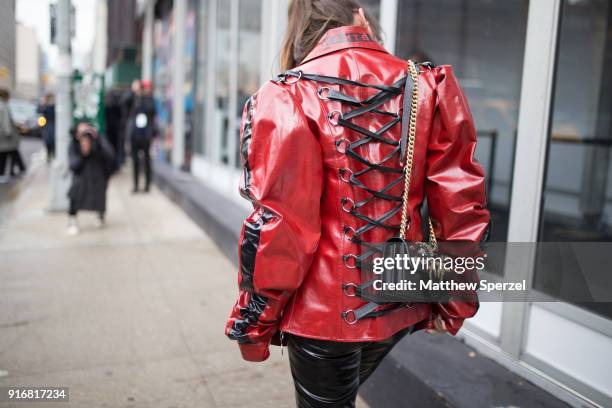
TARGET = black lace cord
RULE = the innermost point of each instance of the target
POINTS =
(362, 107)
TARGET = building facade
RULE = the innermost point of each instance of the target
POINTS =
(7, 45)
(28, 64)
(534, 72)
(120, 28)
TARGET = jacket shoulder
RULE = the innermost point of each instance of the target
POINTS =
(443, 72)
(274, 94)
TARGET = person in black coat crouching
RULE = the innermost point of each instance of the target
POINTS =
(91, 162)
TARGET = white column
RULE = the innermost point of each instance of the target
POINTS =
(60, 172)
(212, 137)
(147, 41)
(388, 22)
(233, 121)
(273, 26)
(529, 168)
(178, 75)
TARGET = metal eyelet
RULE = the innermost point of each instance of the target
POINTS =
(347, 263)
(320, 93)
(334, 116)
(346, 200)
(349, 233)
(349, 289)
(349, 316)
(342, 144)
(296, 78)
(343, 172)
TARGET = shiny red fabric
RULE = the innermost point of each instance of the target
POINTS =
(292, 246)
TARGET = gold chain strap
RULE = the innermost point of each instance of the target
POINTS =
(410, 153)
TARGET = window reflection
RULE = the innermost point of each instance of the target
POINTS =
(373, 7)
(190, 77)
(200, 69)
(223, 57)
(484, 41)
(578, 187)
(249, 56)
(162, 78)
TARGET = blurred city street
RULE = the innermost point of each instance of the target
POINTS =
(120, 289)
(128, 316)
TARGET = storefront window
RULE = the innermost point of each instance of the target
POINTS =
(373, 7)
(190, 77)
(223, 59)
(249, 55)
(162, 78)
(201, 78)
(484, 41)
(577, 195)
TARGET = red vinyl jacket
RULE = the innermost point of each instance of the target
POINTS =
(297, 249)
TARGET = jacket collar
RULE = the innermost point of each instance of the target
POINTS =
(341, 38)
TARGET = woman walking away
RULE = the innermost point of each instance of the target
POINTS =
(328, 150)
(92, 162)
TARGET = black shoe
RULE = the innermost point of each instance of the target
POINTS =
(146, 190)
(135, 190)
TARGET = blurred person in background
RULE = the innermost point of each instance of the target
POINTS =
(47, 110)
(113, 116)
(9, 139)
(92, 161)
(7, 131)
(141, 126)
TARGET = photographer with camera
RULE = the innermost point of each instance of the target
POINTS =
(91, 162)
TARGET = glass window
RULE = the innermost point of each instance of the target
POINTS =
(249, 55)
(577, 199)
(201, 77)
(484, 41)
(190, 77)
(223, 58)
(373, 7)
(162, 64)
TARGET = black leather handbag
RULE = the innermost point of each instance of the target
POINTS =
(399, 246)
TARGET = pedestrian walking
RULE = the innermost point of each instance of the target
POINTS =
(336, 157)
(113, 112)
(47, 110)
(141, 125)
(91, 162)
(9, 139)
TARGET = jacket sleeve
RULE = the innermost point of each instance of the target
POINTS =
(455, 184)
(283, 178)
(76, 160)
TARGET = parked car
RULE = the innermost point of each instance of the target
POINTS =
(25, 116)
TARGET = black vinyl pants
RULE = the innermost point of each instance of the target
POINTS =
(328, 373)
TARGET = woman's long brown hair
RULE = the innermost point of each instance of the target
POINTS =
(309, 20)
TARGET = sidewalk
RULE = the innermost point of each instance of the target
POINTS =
(128, 316)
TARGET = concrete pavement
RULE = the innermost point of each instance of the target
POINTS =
(128, 316)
